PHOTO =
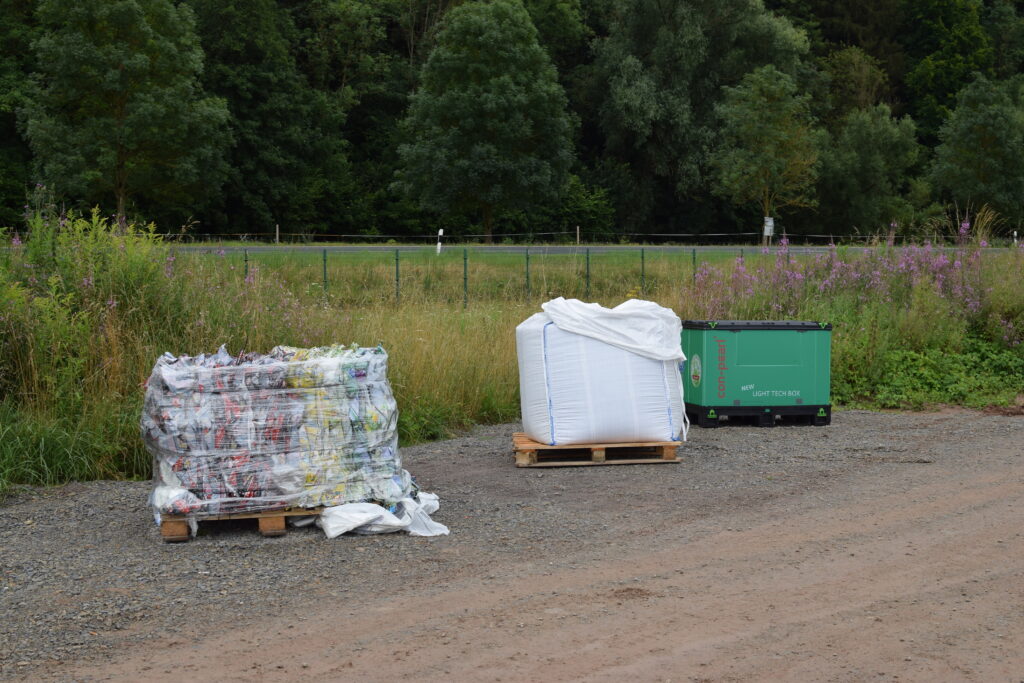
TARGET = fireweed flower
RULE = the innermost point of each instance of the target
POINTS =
(965, 231)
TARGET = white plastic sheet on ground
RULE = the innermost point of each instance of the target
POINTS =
(589, 374)
(412, 516)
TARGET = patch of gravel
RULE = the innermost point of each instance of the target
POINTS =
(83, 570)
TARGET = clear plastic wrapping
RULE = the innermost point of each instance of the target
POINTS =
(292, 428)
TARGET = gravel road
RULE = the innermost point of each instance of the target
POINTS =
(888, 545)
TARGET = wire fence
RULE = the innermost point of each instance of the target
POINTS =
(509, 239)
(464, 274)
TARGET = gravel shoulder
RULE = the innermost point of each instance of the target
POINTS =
(886, 546)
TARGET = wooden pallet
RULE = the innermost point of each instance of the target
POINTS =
(530, 453)
(174, 528)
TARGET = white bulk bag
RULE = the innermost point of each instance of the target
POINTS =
(589, 374)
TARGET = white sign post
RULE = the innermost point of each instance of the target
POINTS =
(769, 229)
(439, 234)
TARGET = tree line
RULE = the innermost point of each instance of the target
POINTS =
(629, 118)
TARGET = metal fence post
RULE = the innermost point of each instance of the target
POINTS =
(325, 270)
(465, 277)
(588, 274)
(398, 281)
(245, 255)
(527, 272)
(643, 272)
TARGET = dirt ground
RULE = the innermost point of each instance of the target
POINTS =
(884, 547)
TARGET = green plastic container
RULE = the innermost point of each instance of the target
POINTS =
(758, 370)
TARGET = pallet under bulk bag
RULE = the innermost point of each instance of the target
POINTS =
(589, 374)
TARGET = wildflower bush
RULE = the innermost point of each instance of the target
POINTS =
(87, 305)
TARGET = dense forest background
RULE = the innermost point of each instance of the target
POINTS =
(633, 119)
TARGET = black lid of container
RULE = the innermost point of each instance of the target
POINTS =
(737, 325)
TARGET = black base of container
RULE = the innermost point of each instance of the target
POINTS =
(762, 416)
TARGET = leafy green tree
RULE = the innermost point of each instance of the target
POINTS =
(947, 45)
(874, 26)
(803, 15)
(561, 29)
(581, 205)
(979, 160)
(488, 128)
(287, 161)
(659, 74)
(857, 80)
(768, 155)
(866, 170)
(1004, 23)
(17, 30)
(419, 22)
(342, 48)
(119, 113)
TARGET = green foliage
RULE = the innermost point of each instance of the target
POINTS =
(119, 114)
(287, 158)
(857, 80)
(947, 46)
(1004, 25)
(72, 274)
(419, 22)
(865, 171)
(769, 151)
(583, 205)
(17, 31)
(342, 50)
(978, 160)
(488, 128)
(65, 297)
(659, 74)
(982, 374)
(75, 349)
(45, 450)
(560, 28)
(289, 112)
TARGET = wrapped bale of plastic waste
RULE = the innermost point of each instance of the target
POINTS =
(589, 374)
(292, 428)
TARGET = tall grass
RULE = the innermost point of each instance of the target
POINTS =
(85, 309)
